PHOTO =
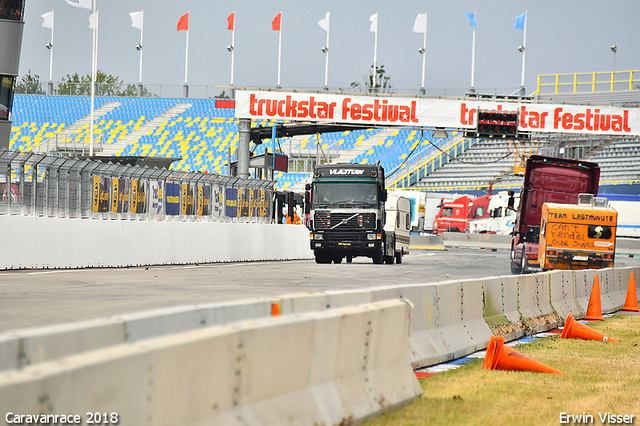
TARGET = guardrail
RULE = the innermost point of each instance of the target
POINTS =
(34, 184)
(588, 82)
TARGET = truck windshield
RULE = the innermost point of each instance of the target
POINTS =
(348, 193)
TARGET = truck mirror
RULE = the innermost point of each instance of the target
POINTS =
(307, 187)
(383, 195)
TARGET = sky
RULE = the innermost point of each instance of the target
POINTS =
(568, 36)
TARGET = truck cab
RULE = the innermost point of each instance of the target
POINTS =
(546, 180)
(348, 215)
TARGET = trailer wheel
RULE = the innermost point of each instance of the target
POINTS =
(398, 258)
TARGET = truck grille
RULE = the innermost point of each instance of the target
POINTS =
(327, 220)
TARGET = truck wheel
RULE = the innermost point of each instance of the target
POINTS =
(377, 258)
(523, 263)
(337, 259)
(515, 268)
(388, 260)
(349, 259)
(322, 258)
(398, 258)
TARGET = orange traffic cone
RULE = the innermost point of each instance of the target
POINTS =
(275, 309)
(501, 357)
(594, 310)
(631, 302)
(576, 330)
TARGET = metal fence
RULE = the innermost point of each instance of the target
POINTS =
(51, 186)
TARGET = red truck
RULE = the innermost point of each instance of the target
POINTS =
(546, 180)
(454, 216)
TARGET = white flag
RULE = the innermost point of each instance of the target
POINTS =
(136, 19)
(324, 23)
(420, 25)
(374, 23)
(48, 20)
(85, 4)
(91, 20)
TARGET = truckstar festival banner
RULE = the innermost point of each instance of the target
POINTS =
(448, 113)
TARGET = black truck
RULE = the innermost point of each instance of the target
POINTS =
(348, 215)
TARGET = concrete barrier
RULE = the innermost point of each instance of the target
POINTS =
(462, 332)
(35, 242)
(562, 291)
(448, 321)
(624, 246)
(492, 241)
(534, 303)
(501, 307)
(335, 367)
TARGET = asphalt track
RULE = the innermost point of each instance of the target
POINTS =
(47, 297)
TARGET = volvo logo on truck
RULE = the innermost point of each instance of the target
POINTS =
(356, 172)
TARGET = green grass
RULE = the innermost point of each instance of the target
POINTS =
(597, 378)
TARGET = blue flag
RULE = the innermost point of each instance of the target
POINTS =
(519, 25)
(472, 19)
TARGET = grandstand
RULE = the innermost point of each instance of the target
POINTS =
(203, 134)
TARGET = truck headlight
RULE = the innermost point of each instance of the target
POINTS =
(371, 236)
(318, 236)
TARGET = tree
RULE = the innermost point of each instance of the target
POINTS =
(106, 85)
(29, 84)
(376, 82)
(74, 85)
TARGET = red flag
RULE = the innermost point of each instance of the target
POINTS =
(275, 24)
(231, 20)
(183, 23)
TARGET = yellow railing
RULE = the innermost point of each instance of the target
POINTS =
(588, 82)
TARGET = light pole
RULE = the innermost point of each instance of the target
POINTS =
(614, 49)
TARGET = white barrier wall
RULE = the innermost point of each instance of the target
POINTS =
(334, 367)
(37, 242)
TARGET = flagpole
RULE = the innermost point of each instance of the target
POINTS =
(141, 46)
(375, 57)
(93, 79)
(186, 63)
(51, 55)
(473, 57)
(97, 25)
(326, 61)
(279, 49)
(424, 52)
(233, 46)
(524, 51)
